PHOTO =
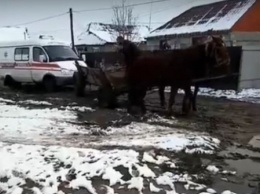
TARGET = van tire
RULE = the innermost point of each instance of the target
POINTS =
(11, 83)
(49, 83)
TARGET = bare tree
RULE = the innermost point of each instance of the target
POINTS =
(124, 20)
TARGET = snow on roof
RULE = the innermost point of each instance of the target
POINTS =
(13, 33)
(219, 16)
(99, 33)
(35, 42)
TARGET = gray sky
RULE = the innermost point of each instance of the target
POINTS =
(13, 12)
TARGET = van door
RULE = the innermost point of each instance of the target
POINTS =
(39, 64)
(22, 72)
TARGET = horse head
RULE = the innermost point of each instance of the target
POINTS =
(216, 49)
(128, 49)
(119, 44)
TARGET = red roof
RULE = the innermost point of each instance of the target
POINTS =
(217, 16)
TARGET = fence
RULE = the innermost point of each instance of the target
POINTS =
(110, 58)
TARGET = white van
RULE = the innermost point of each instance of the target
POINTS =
(47, 62)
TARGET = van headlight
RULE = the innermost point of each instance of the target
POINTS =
(67, 71)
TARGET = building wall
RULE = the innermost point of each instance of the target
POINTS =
(245, 38)
(250, 21)
(250, 68)
(96, 48)
(182, 42)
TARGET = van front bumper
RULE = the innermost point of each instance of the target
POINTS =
(63, 81)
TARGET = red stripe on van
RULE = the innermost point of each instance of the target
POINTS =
(31, 66)
(48, 65)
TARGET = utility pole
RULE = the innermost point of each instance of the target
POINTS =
(150, 16)
(71, 30)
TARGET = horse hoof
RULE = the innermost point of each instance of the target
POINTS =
(169, 112)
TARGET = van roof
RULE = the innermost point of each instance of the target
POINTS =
(32, 42)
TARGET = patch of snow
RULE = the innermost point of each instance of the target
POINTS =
(250, 95)
(154, 188)
(53, 164)
(34, 102)
(7, 101)
(79, 108)
(246, 95)
(100, 33)
(17, 190)
(136, 183)
(209, 190)
(158, 119)
(228, 172)
(212, 169)
(112, 175)
(227, 192)
(165, 180)
(168, 139)
(21, 122)
(194, 186)
(84, 183)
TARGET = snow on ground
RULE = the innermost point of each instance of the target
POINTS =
(21, 122)
(49, 166)
(36, 124)
(246, 95)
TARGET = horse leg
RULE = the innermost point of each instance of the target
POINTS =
(188, 96)
(131, 98)
(142, 94)
(194, 97)
(161, 94)
(173, 93)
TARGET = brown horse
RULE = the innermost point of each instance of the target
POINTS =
(218, 63)
(174, 68)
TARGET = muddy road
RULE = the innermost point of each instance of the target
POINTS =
(230, 121)
(234, 123)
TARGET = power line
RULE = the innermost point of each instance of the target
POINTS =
(110, 8)
(161, 10)
(42, 19)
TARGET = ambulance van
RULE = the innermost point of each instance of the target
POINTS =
(46, 62)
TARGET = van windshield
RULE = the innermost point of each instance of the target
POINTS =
(60, 53)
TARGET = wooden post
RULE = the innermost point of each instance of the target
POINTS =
(71, 30)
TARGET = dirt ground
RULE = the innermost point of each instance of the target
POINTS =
(233, 122)
(230, 121)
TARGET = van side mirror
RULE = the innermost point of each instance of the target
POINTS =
(83, 56)
(43, 58)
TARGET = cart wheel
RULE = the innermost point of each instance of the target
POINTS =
(79, 85)
(107, 97)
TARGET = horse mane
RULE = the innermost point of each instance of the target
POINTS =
(130, 52)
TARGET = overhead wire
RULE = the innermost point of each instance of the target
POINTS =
(41, 19)
(110, 8)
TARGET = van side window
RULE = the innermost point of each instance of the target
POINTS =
(21, 54)
(37, 52)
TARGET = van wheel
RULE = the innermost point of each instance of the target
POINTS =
(11, 83)
(49, 83)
